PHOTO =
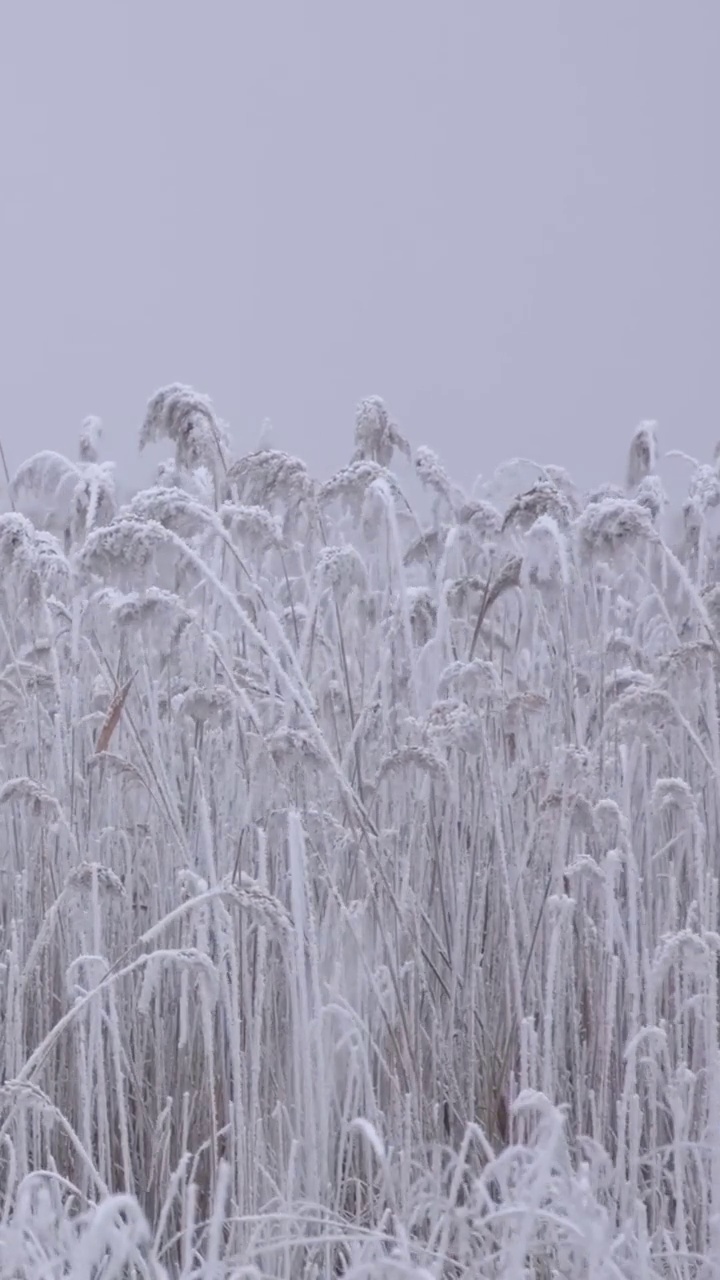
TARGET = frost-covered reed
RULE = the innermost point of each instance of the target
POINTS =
(359, 865)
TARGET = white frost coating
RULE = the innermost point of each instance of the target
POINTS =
(358, 868)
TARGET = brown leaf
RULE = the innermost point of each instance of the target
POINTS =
(112, 716)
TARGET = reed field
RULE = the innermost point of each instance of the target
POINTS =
(359, 865)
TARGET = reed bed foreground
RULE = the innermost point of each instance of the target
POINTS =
(359, 865)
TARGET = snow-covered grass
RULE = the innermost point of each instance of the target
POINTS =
(359, 867)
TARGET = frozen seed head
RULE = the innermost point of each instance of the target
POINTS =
(198, 483)
(508, 576)
(17, 540)
(342, 569)
(101, 692)
(454, 724)
(521, 705)
(248, 676)
(641, 707)
(155, 605)
(29, 792)
(294, 747)
(173, 508)
(433, 476)
(422, 758)
(428, 546)
(254, 526)
(545, 558)
(686, 949)
(542, 499)
(622, 650)
(612, 524)
(45, 477)
(651, 495)
(268, 476)
(642, 457)
(213, 706)
(36, 682)
(191, 884)
(127, 543)
(86, 873)
(423, 614)
(376, 436)
(603, 491)
(565, 485)
(93, 498)
(351, 484)
(693, 516)
(704, 489)
(269, 910)
(482, 518)
(375, 506)
(626, 680)
(684, 659)
(470, 679)
(90, 436)
(466, 590)
(189, 959)
(673, 793)
(180, 414)
(31, 555)
(51, 561)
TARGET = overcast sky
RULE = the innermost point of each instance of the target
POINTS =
(503, 217)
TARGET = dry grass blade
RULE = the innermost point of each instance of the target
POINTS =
(112, 716)
(509, 576)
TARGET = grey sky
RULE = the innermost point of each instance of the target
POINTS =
(503, 217)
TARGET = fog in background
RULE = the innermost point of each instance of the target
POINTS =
(502, 217)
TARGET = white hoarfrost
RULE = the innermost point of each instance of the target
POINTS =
(359, 867)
